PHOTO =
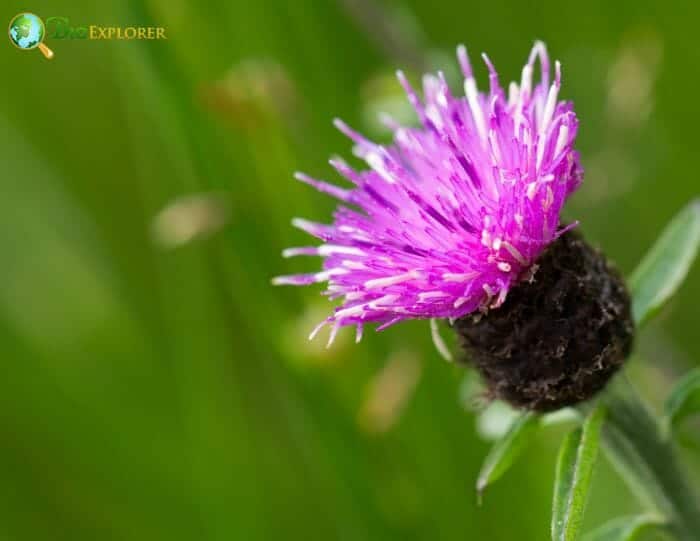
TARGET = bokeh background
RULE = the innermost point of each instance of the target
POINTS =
(154, 385)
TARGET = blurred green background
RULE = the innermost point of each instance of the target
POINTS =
(156, 386)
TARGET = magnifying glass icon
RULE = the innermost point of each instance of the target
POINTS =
(27, 31)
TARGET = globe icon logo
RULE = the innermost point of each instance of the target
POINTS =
(27, 32)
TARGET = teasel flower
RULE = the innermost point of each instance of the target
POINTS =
(459, 219)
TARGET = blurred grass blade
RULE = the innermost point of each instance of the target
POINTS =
(577, 457)
(624, 528)
(683, 401)
(507, 449)
(665, 266)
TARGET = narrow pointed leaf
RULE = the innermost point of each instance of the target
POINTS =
(666, 265)
(625, 528)
(684, 400)
(507, 449)
(564, 477)
(577, 457)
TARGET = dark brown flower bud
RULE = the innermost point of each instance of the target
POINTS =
(559, 336)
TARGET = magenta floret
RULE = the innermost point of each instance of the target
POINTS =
(453, 213)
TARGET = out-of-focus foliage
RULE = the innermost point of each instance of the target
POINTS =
(506, 450)
(664, 268)
(684, 400)
(155, 386)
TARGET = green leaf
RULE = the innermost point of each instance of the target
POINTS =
(683, 401)
(507, 449)
(665, 266)
(624, 528)
(577, 457)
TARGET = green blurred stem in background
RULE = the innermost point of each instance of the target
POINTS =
(633, 440)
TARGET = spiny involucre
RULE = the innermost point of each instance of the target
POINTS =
(453, 213)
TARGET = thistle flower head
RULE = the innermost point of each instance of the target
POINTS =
(453, 213)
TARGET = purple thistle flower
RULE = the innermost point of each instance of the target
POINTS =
(454, 213)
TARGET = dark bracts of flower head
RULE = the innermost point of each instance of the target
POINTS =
(558, 337)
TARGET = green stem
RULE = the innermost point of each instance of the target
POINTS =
(648, 462)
